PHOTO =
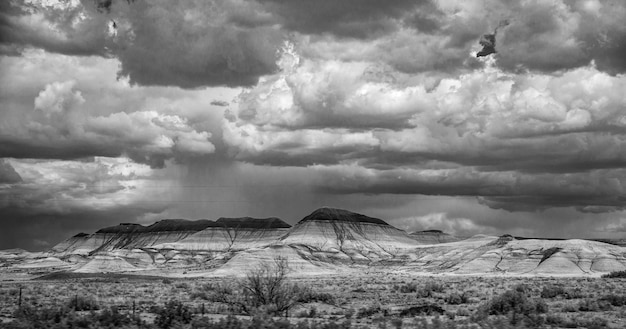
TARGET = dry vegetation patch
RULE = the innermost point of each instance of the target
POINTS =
(366, 301)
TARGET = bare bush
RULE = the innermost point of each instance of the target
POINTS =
(265, 289)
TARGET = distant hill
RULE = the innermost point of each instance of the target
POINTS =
(326, 241)
(433, 236)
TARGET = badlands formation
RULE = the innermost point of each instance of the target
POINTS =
(328, 241)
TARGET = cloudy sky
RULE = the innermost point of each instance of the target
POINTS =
(132, 111)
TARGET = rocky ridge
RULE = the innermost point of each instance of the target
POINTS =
(326, 241)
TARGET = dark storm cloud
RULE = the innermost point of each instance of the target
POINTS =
(349, 18)
(552, 36)
(192, 44)
(54, 197)
(569, 153)
(207, 43)
(582, 203)
(489, 133)
(611, 55)
(187, 44)
(597, 191)
(39, 231)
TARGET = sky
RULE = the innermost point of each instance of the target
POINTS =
(133, 111)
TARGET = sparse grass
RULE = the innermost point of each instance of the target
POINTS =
(362, 301)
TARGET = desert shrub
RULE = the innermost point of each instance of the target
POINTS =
(265, 290)
(615, 274)
(82, 303)
(593, 323)
(309, 296)
(590, 305)
(462, 312)
(554, 320)
(349, 313)
(208, 286)
(429, 288)
(570, 308)
(615, 300)
(182, 285)
(408, 288)
(456, 298)
(39, 315)
(112, 318)
(203, 292)
(62, 317)
(514, 303)
(264, 321)
(172, 314)
(368, 311)
(573, 294)
(427, 309)
(552, 291)
(199, 295)
(523, 288)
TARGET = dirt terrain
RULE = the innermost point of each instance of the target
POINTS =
(372, 299)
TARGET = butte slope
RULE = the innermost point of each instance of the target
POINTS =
(329, 241)
(128, 236)
(232, 234)
(341, 235)
(509, 256)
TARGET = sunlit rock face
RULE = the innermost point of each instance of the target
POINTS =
(506, 255)
(129, 236)
(433, 237)
(106, 264)
(326, 241)
(341, 235)
(232, 234)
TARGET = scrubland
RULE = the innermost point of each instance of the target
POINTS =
(367, 301)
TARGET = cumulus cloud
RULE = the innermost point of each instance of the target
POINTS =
(90, 113)
(190, 44)
(63, 128)
(596, 191)
(55, 196)
(519, 141)
(194, 44)
(356, 100)
(59, 27)
(462, 227)
(93, 183)
(549, 36)
(233, 43)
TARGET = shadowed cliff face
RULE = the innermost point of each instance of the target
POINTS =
(341, 215)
